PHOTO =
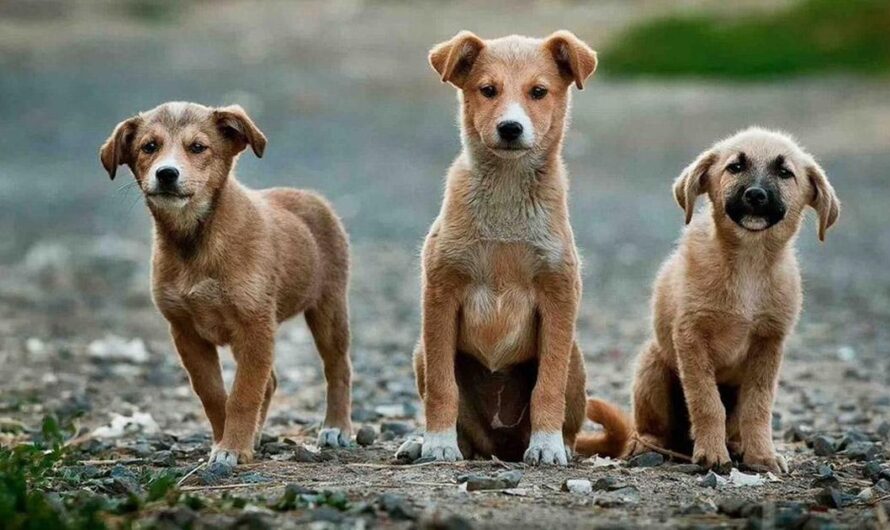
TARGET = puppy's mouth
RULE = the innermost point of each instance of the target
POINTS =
(169, 195)
(509, 151)
(753, 223)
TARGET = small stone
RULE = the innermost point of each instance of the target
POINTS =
(852, 437)
(825, 478)
(608, 484)
(796, 433)
(711, 480)
(620, 497)
(163, 459)
(397, 507)
(175, 518)
(834, 498)
(398, 428)
(580, 486)
(872, 470)
(214, 473)
(824, 445)
(883, 486)
(650, 459)
(326, 514)
(884, 430)
(302, 454)
(867, 495)
(501, 481)
(124, 481)
(862, 451)
(366, 436)
(791, 515)
(409, 451)
(731, 506)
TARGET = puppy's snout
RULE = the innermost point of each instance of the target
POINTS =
(755, 197)
(509, 130)
(167, 176)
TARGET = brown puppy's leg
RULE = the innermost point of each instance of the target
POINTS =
(576, 398)
(253, 353)
(439, 337)
(559, 295)
(271, 387)
(706, 411)
(329, 323)
(652, 401)
(755, 405)
(419, 375)
(201, 361)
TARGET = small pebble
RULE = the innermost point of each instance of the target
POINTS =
(650, 459)
(409, 451)
(366, 436)
(834, 498)
(581, 486)
(214, 473)
(396, 507)
(862, 451)
(824, 445)
(619, 497)
(502, 481)
(608, 484)
(711, 480)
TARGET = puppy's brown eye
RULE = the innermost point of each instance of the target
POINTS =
(735, 168)
(197, 148)
(538, 92)
(149, 148)
(785, 173)
(489, 91)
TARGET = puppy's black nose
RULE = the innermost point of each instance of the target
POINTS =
(167, 175)
(755, 196)
(509, 130)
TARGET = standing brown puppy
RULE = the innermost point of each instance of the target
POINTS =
(497, 364)
(230, 263)
(724, 303)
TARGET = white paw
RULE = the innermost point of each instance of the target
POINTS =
(441, 446)
(332, 437)
(546, 448)
(223, 456)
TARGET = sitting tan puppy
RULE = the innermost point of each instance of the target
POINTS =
(724, 303)
(230, 263)
(497, 364)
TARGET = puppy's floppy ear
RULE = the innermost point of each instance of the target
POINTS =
(692, 182)
(118, 149)
(454, 59)
(575, 59)
(235, 124)
(824, 200)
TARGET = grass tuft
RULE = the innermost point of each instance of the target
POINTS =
(813, 36)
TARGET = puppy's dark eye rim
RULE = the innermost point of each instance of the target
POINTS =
(785, 173)
(488, 91)
(538, 92)
(197, 147)
(149, 147)
(735, 167)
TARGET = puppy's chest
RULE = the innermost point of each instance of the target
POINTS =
(499, 304)
(205, 302)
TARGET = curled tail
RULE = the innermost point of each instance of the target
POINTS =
(618, 431)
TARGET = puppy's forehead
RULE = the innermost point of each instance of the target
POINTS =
(763, 146)
(178, 116)
(516, 52)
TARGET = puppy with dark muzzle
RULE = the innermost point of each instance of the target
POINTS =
(724, 304)
(230, 263)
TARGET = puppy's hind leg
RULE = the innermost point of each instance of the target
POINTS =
(329, 323)
(652, 401)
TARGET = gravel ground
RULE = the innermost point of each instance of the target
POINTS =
(359, 116)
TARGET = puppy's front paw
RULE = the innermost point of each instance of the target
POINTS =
(441, 446)
(228, 457)
(546, 448)
(711, 455)
(333, 437)
(768, 462)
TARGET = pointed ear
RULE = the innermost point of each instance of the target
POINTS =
(454, 59)
(118, 148)
(824, 200)
(236, 125)
(693, 181)
(575, 59)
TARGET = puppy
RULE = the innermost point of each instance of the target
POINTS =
(229, 264)
(497, 365)
(724, 303)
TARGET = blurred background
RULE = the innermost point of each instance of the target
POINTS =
(351, 108)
